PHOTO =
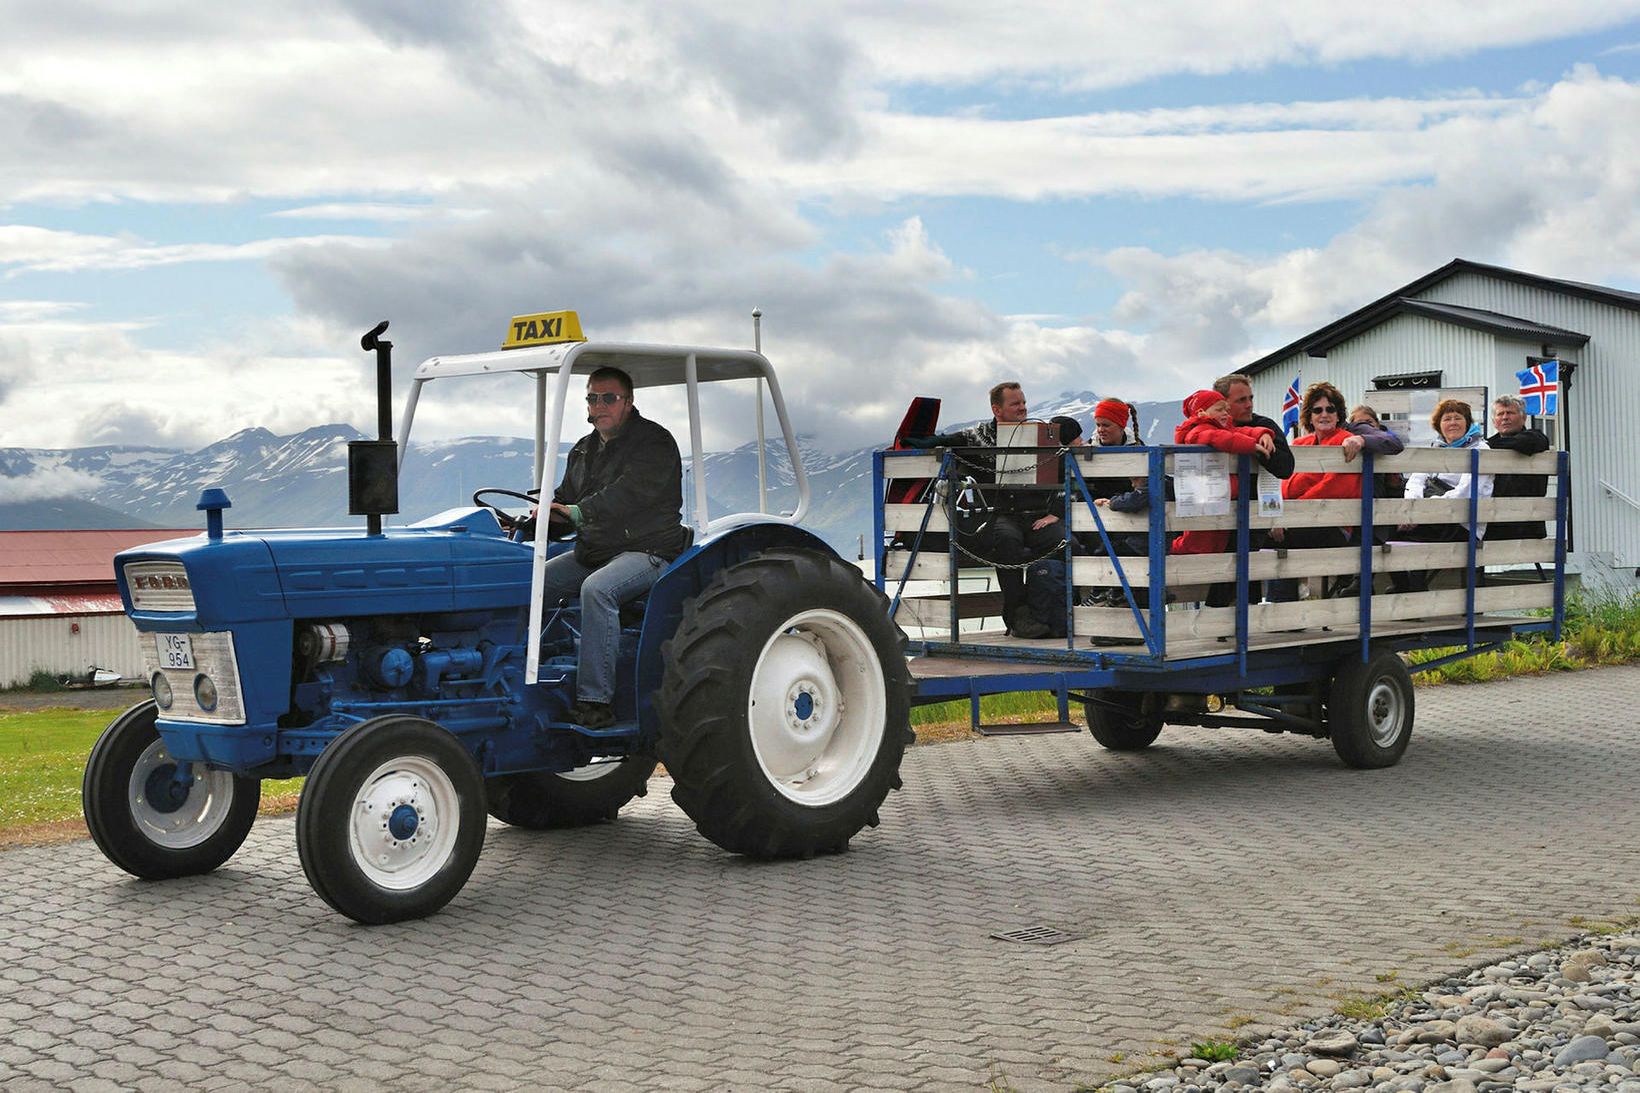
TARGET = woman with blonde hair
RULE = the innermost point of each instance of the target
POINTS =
(1455, 427)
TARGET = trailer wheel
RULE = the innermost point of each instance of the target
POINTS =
(540, 800)
(144, 820)
(1370, 711)
(1124, 720)
(391, 820)
(785, 706)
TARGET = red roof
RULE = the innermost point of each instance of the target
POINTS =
(45, 560)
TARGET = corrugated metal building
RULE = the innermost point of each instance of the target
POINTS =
(1473, 325)
(60, 610)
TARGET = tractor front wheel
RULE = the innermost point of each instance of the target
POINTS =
(391, 820)
(785, 706)
(156, 817)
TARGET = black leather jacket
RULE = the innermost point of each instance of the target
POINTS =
(630, 491)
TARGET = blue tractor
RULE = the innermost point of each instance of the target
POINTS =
(416, 678)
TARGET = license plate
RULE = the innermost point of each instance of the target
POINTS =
(175, 650)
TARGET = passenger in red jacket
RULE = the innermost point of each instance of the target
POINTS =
(1207, 421)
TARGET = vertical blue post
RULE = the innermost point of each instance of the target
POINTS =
(1474, 540)
(1563, 500)
(1158, 552)
(1368, 495)
(1067, 469)
(1244, 546)
(878, 535)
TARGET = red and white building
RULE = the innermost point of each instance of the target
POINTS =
(60, 610)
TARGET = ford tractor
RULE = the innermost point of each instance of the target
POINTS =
(417, 679)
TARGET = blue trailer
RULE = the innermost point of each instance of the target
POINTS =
(418, 679)
(1142, 648)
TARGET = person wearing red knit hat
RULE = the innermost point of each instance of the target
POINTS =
(1207, 421)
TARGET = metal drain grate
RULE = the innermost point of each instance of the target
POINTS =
(1036, 935)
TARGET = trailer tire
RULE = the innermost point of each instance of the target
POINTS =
(144, 828)
(1133, 727)
(543, 801)
(1370, 709)
(391, 820)
(785, 705)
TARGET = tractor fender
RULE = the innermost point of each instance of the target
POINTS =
(683, 580)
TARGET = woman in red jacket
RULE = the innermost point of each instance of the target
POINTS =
(1322, 419)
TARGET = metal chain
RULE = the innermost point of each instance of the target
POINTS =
(957, 457)
(1004, 565)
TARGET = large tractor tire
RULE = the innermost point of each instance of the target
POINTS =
(145, 820)
(591, 794)
(785, 706)
(1124, 720)
(1370, 710)
(391, 820)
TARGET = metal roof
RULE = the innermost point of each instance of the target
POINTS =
(45, 560)
(74, 603)
(1385, 306)
(648, 365)
(1493, 322)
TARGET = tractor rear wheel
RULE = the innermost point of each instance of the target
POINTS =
(785, 705)
(541, 801)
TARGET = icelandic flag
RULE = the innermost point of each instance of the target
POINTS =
(1540, 387)
(1289, 407)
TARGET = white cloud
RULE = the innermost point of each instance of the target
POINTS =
(26, 249)
(67, 384)
(46, 484)
(1550, 188)
(376, 211)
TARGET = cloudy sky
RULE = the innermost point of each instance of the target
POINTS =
(203, 206)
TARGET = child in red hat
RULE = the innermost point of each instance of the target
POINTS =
(1207, 421)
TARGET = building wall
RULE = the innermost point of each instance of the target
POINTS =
(48, 643)
(1601, 405)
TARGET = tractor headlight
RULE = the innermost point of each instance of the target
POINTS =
(205, 692)
(162, 690)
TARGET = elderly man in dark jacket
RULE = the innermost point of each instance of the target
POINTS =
(622, 492)
(1509, 418)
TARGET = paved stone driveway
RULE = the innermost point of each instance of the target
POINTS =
(1215, 879)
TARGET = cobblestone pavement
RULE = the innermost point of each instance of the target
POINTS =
(1215, 881)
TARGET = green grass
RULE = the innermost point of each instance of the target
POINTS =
(42, 757)
(1598, 631)
(1214, 1051)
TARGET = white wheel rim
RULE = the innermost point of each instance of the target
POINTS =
(404, 821)
(592, 771)
(1384, 713)
(201, 813)
(817, 707)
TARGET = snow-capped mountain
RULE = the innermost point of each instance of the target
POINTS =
(301, 480)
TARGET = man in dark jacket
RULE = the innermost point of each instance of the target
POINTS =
(1509, 419)
(622, 492)
(1021, 526)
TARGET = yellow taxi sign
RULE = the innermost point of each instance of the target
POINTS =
(547, 328)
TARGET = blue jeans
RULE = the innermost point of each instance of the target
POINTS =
(624, 577)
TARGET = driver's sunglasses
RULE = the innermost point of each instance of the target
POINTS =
(608, 398)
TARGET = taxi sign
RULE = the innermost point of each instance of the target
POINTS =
(547, 328)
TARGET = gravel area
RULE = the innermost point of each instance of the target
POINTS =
(1562, 1019)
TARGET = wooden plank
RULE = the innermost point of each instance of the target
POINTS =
(1263, 565)
(1113, 462)
(1265, 618)
(1345, 512)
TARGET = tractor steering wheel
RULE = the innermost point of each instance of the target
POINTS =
(518, 527)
